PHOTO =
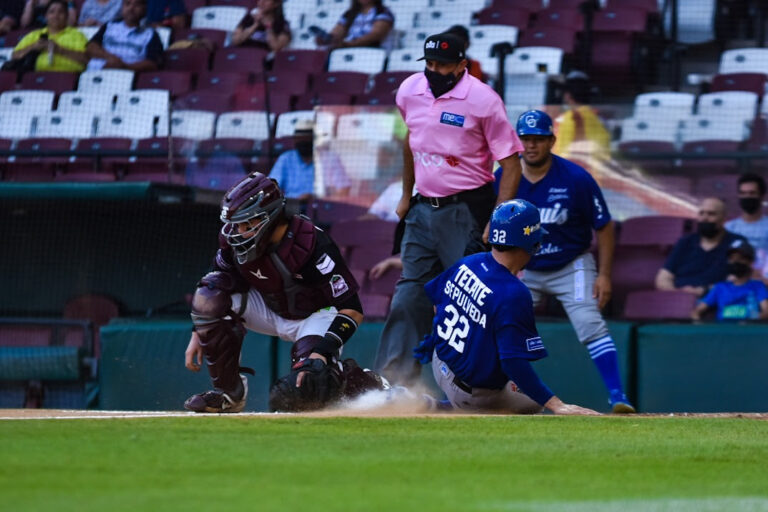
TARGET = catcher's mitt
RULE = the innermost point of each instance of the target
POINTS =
(322, 385)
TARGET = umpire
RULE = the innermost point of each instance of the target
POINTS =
(457, 128)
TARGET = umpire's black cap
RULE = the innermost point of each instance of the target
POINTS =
(444, 47)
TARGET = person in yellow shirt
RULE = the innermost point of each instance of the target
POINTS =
(62, 48)
(580, 122)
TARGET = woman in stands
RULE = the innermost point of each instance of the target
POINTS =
(34, 15)
(61, 47)
(264, 27)
(95, 13)
(365, 23)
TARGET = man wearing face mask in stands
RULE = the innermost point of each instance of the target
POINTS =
(294, 170)
(457, 128)
(699, 260)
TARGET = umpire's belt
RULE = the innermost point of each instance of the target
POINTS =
(464, 196)
(462, 385)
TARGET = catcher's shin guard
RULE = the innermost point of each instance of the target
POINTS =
(220, 329)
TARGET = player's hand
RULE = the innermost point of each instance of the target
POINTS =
(423, 352)
(313, 355)
(193, 357)
(602, 290)
(403, 206)
(557, 406)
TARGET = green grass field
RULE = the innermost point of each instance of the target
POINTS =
(443, 464)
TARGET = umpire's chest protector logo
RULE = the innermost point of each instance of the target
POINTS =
(452, 119)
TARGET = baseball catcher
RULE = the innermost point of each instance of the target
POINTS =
(277, 274)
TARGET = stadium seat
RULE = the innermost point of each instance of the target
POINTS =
(363, 232)
(49, 81)
(137, 125)
(294, 11)
(361, 60)
(696, 22)
(483, 38)
(405, 12)
(188, 59)
(635, 149)
(535, 59)
(620, 19)
(107, 165)
(244, 125)
(157, 166)
(314, 99)
(414, 39)
(68, 176)
(406, 59)
(190, 124)
(698, 128)
(218, 17)
(38, 168)
(380, 99)
(177, 83)
(291, 82)
(220, 81)
(566, 17)
(345, 82)
(704, 147)
(302, 40)
(150, 101)
(106, 81)
(99, 309)
(286, 122)
(648, 6)
(15, 125)
(76, 103)
(635, 268)
(752, 82)
(325, 16)
(744, 60)
(438, 19)
(664, 104)
(250, 99)
(512, 15)
(528, 89)
(724, 186)
(216, 37)
(217, 102)
(325, 212)
(21, 101)
(12, 38)
(655, 230)
(651, 128)
(388, 81)
(554, 36)
(7, 80)
(728, 105)
(311, 61)
(243, 60)
(366, 126)
(64, 125)
(655, 305)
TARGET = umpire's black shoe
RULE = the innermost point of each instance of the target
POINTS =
(217, 401)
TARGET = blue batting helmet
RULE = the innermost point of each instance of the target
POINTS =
(516, 223)
(534, 122)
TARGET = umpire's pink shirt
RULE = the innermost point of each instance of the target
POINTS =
(456, 138)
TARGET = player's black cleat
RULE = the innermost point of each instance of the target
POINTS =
(218, 401)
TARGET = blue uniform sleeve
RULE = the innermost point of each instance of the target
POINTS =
(598, 208)
(516, 334)
(521, 373)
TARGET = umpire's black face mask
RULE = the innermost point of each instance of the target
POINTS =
(443, 76)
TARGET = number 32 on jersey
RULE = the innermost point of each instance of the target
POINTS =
(451, 332)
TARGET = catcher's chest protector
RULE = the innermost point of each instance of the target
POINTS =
(277, 274)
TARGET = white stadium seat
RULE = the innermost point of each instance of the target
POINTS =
(728, 105)
(110, 81)
(667, 104)
(33, 102)
(190, 124)
(218, 17)
(406, 59)
(244, 125)
(664, 129)
(135, 125)
(67, 125)
(76, 102)
(366, 126)
(362, 60)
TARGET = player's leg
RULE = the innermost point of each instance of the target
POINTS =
(573, 285)
(220, 331)
(410, 313)
(537, 284)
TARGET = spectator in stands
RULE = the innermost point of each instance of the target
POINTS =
(166, 13)
(473, 66)
(98, 12)
(294, 170)
(126, 44)
(752, 224)
(61, 48)
(739, 297)
(700, 260)
(10, 15)
(365, 23)
(580, 122)
(264, 27)
(34, 15)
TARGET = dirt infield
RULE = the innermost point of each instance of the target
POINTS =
(47, 414)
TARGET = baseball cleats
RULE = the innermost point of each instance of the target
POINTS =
(218, 401)
(621, 405)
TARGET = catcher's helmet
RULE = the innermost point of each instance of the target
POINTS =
(516, 223)
(534, 122)
(250, 211)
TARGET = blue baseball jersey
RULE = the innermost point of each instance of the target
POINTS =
(736, 302)
(571, 206)
(483, 314)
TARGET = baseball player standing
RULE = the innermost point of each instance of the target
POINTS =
(571, 206)
(457, 127)
(484, 333)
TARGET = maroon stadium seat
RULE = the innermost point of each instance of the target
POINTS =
(34, 168)
(217, 37)
(752, 82)
(311, 100)
(354, 232)
(619, 19)
(658, 305)
(347, 82)
(328, 212)
(106, 165)
(245, 60)
(177, 83)
(702, 147)
(376, 99)
(567, 17)
(512, 15)
(157, 165)
(294, 82)
(221, 81)
(388, 81)
(311, 61)
(255, 99)
(7, 80)
(529, 5)
(205, 100)
(635, 149)
(557, 37)
(649, 6)
(723, 186)
(634, 268)
(659, 230)
(55, 81)
(188, 59)
(5, 144)
(13, 37)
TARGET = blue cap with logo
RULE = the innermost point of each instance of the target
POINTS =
(534, 122)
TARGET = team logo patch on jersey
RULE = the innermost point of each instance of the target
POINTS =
(533, 344)
(338, 286)
(325, 264)
(452, 119)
